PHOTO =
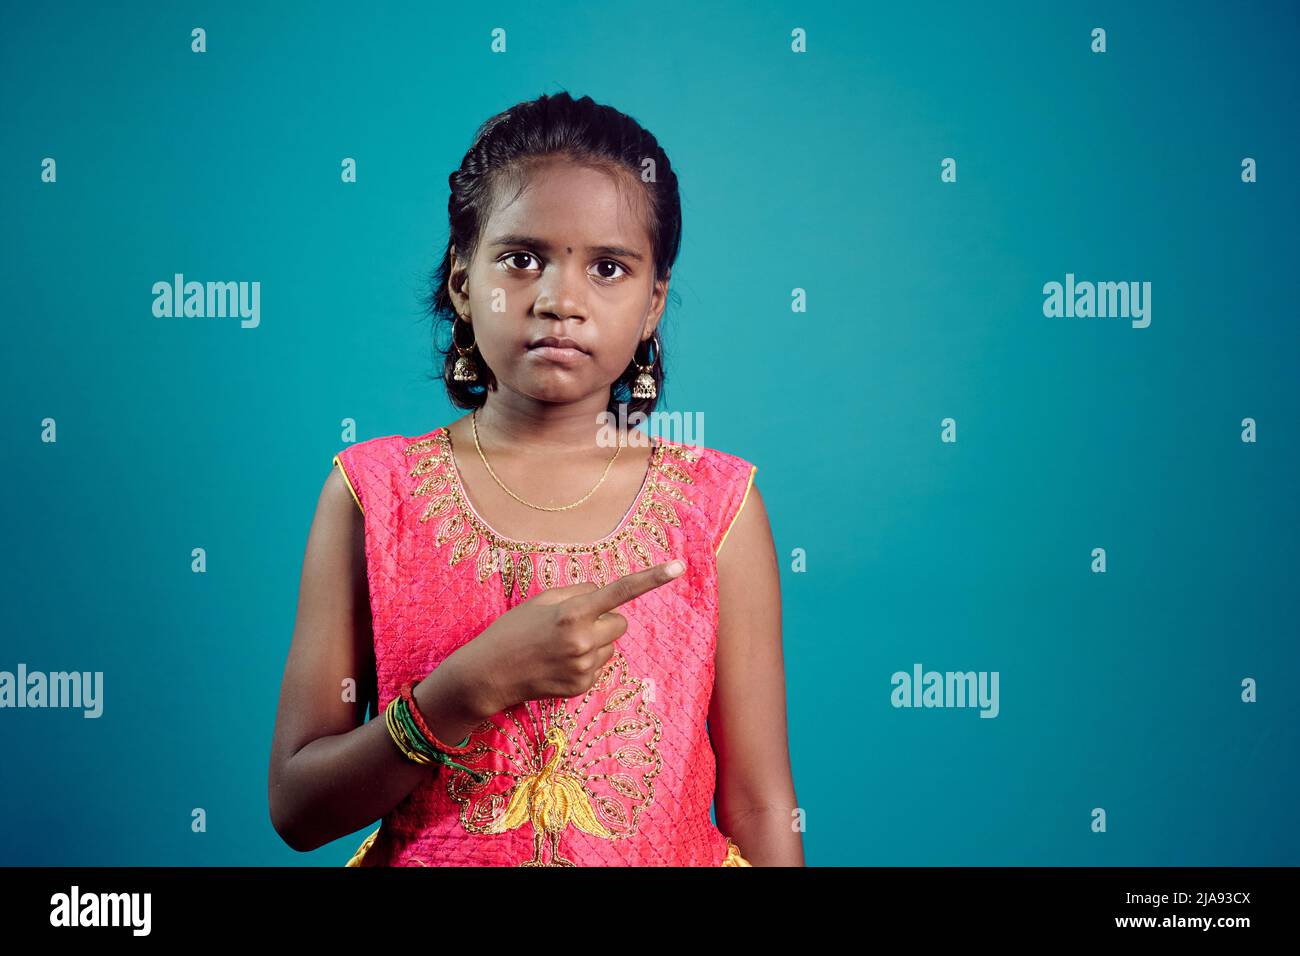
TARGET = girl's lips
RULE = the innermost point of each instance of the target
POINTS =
(562, 356)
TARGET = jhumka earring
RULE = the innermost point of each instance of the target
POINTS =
(464, 371)
(644, 386)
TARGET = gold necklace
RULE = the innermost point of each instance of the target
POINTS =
(474, 420)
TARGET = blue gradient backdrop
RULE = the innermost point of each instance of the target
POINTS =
(817, 171)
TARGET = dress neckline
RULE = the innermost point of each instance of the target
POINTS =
(500, 540)
(643, 532)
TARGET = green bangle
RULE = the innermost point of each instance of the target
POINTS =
(422, 744)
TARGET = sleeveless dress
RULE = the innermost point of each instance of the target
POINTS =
(621, 776)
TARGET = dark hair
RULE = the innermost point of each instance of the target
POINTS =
(504, 147)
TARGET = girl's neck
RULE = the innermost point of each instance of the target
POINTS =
(546, 427)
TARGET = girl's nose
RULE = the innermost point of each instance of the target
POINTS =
(561, 291)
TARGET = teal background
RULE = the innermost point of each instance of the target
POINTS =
(817, 171)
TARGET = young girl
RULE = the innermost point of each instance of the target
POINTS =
(567, 631)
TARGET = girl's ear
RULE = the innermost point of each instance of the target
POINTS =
(652, 319)
(458, 282)
(658, 299)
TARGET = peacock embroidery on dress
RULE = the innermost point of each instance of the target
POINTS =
(586, 763)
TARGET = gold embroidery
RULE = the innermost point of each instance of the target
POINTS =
(524, 572)
(437, 482)
(507, 572)
(683, 452)
(601, 790)
(487, 562)
(464, 545)
(423, 444)
(450, 529)
(657, 532)
(675, 473)
(440, 505)
(627, 549)
(672, 492)
(665, 511)
(621, 566)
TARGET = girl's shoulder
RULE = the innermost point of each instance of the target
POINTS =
(717, 483)
(389, 446)
(369, 466)
(711, 463)
(365, 455)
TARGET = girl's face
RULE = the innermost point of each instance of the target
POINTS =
(570, 259)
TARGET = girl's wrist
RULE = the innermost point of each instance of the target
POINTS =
(449, 704)
(454, 688)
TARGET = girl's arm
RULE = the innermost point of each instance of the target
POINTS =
(747, 714)
(328, 776)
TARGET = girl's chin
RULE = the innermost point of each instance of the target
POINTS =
(558, 385)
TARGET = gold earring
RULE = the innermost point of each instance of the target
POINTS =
(464, 370)
(644, 386)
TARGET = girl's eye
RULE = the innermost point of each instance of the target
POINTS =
(519, 255)
(609, 262)
(513, 260)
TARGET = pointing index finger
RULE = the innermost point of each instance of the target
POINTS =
(598, 602)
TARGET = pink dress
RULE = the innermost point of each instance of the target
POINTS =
(620, 776)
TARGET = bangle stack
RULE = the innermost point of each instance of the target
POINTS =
(414, 738)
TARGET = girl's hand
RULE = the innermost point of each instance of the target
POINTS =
(555, 643)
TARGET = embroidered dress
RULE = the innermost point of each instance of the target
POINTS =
(622, 775)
